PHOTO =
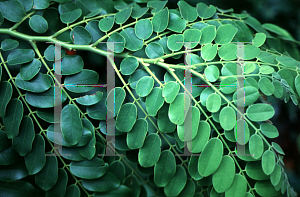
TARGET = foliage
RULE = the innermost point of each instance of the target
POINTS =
(152, 104)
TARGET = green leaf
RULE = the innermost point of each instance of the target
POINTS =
(238, 186)
(13, 172)
(205, 94)
(105, 24)
(129, 65)
(205, 11)
(49, 53)
(122, 190)
(175, 42)
(118, 169)
(22, 143)
(27, 4)
(98, 110)
(297, 84)
(160, 20)
(276, 175)
(211, 72)
(59, 189)
(256, 146)
(211, 157)
(30, 70)
(163, 122)
(40, 4)
(9, 44)
(80, 36)
(88, 169)
(44, 99)
(39, 83)
(224, 175)
(5, 96)
(269, 130)
(88, 100)
(228, 51)
(250, 52)
(105, 183)
(188, 130)
(267, 57)
(177, 183)
(250, 95)
(164, 169)
(170, 91)
(260, 112)
(12, 11)
(209, 52)
(193, 36)
(277, 148)
(17, 188)
(20, 56)
(213, 103)
(71, 126)
(38, 24)
(176, 23)
(118, 94)
(53, 19)
(188, 190)
(265, 188)
(5, 143)
(264, 69)
(149, 153)
(287, 61)
(289, 76)
(154, 101)
(132, 182)
(278, 30)
(228, 85)
(227, 118)
(278, 89)
(192, 168)
(254, 171)
(143, 29)
(86, 137)
(157, 5)
(93, 29)
(9, 157)
(144, 86)
(268, 162)
(126, 117)
(188, 13)
(13, 117)
(154, 50)
(136, 137)
(266, 86)
(259, 39)
(133, 43)
(42, 179)
(138, 12)
(71, 16)
(123, 15)
(78, 81)
(72, 191)
(256, 25)
(36, 159)
(225, 34)
(197, 144)
(178, 108)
